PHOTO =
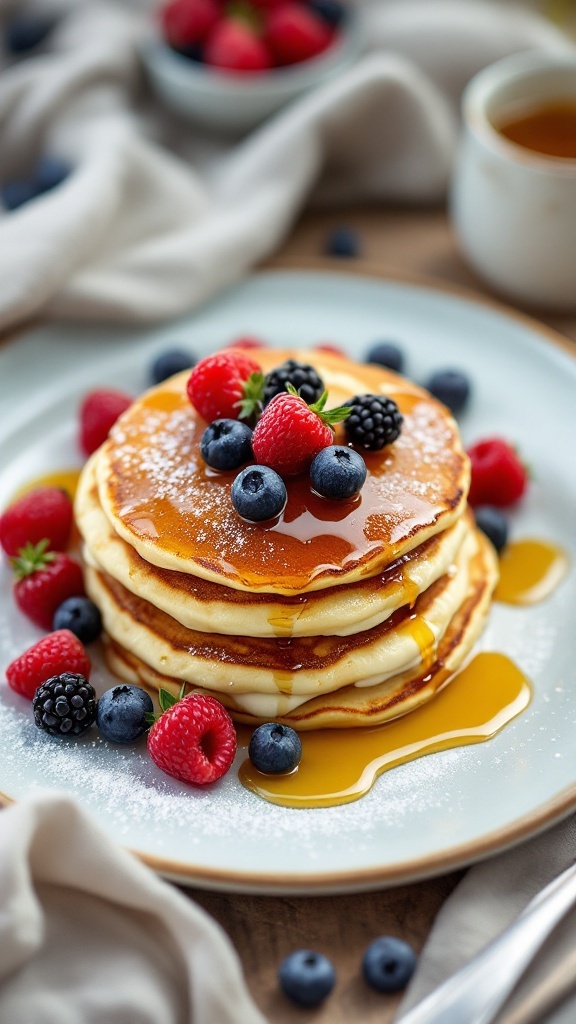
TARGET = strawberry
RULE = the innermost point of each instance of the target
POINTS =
(58, 652)
(234, 46)
(44, 579)
(193, 739)
(187, 22)
(295, 33)
(290, 433)
(98, 413)
(247, 341)
(44, 513)
(226, 385)
(498, 476)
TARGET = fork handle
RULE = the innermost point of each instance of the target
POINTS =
(476, 992)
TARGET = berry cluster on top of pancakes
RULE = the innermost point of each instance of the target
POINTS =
(308, 561)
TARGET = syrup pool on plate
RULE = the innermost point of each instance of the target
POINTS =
(340, 765)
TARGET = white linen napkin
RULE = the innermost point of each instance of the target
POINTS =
(88, 933)
(156, 217)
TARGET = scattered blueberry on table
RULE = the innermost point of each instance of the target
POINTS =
(49, 172)
(452, 387)
(226, 444)
(338, 472)
(25, 32)
(388, 964)
(275, 749)
(331, 11)
(306, 977)
(122, 713)
(388, 354)
(172, 361)
(494, 524)
(342, 242)
(81, 616)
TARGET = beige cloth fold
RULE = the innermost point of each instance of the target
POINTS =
(89, 934)
(157, 217)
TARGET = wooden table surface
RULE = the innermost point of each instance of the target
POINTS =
(264, 929)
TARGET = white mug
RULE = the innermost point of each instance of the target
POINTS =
(514, 209)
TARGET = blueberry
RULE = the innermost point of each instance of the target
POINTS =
(275, 749)
(258, 493)
(193, 52)
(493, 523)
(226, 444)
(16, 193)
(338, 472)
(172, 361)
(81, 616)
(451, 387)
(388, 964)
(121, 713)
(49, 172)
(386, 353)
(342, 242)
(27, 31)
(331, 11)
(306, 977)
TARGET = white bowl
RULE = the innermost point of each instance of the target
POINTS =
(237, 102)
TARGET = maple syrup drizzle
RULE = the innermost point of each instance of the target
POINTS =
(66, 479)
(341, 765)
(530, 570)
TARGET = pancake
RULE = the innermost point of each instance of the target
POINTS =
(202, 605)
(353, 705)
(175, 512)
(287, 671)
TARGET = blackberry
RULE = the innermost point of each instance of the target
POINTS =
(374, 421)
(65, 705)
(302, 376)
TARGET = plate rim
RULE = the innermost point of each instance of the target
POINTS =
(545, 816)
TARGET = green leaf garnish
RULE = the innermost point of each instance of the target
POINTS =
(251, 404)
(328, 416)
(31, 558)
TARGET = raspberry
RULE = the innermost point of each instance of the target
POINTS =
(290, 433)
(328, 346)
(301, 376)
(44, 579)
(498, 476)
(295, 33)
(98, 413)
(193, 740)
(374, 421)
(58, 652)
(233, 46)
(65, 705)
(42, 514)
(187, 22)
(226, 385)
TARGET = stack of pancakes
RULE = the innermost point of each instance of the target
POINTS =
(338, 613)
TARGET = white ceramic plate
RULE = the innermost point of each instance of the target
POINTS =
(422, 818)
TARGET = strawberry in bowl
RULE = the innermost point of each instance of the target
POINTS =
(229, 64)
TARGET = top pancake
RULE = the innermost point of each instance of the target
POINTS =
(176, 512)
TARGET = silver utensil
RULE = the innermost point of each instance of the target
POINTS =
(477, 991)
